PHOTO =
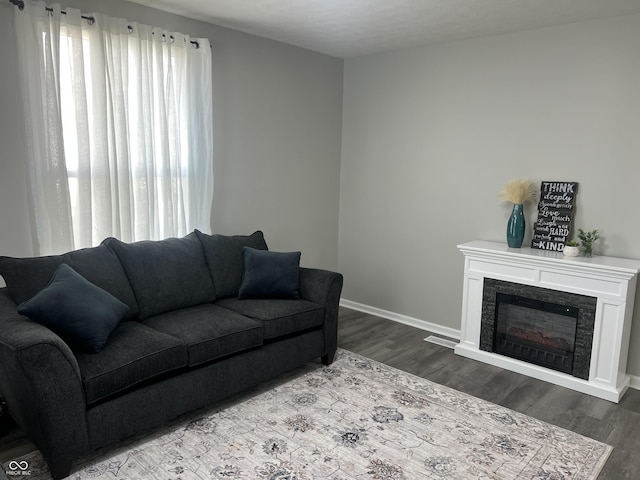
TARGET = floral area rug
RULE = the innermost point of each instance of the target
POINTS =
(356, 419)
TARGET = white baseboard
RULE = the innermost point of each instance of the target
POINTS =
(396, 317)
(428, 326)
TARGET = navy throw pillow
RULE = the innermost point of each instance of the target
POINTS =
(83, 314)
(270, 274)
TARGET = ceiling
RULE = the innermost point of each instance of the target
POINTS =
(349, 28)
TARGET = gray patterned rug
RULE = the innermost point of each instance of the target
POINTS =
(357, 419)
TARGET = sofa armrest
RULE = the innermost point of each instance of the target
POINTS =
(324, 287)
(40, 380)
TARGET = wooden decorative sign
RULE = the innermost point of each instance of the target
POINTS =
(555, 214)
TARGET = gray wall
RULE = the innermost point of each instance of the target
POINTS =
(430, 135)
(277, 140)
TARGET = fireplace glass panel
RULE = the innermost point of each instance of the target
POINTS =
(535, 331)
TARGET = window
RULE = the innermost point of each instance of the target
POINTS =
(120, 125)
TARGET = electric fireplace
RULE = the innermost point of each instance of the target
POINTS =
(550, 328)
(535, 331)
(565, 320)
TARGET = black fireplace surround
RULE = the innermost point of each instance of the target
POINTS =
(572, 357)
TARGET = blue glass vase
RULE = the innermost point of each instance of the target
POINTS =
(515, 226)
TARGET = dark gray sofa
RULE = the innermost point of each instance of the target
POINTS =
(186, 341)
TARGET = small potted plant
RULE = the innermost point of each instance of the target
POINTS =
(571, 248)
(588, 238)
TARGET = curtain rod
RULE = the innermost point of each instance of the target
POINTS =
(91, 20)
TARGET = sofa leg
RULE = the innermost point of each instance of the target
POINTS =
(60, 469)
(328, 359)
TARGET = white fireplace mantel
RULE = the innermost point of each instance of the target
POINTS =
(612, 281)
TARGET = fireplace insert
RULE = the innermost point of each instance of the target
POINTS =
(539, 332)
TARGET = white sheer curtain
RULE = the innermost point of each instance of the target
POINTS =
(119, 126)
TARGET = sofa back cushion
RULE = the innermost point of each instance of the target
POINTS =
(165, 274)
(25, 277)
(224, 255)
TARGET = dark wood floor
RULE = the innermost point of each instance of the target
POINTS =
(403, 347)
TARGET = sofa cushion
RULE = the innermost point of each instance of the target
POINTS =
(27, 276)
(209, 332)
(270, 274)
(166, 274)
(83, 314)
(279, 317)
(225, 260)
(135, 353)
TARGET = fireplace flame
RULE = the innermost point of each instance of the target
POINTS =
(540, 338)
